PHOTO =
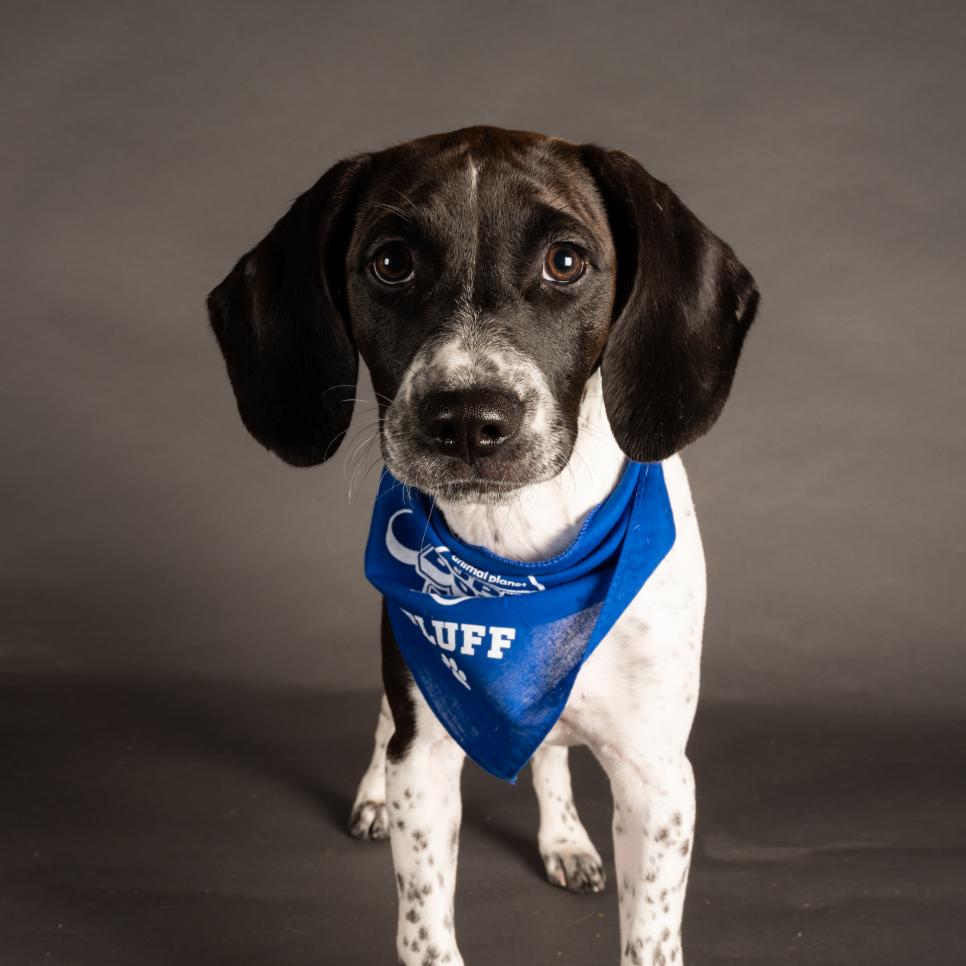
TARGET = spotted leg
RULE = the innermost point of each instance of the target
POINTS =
(369, 819)
(568, 855)
(423, 786)
(653, 834)
(423, 766)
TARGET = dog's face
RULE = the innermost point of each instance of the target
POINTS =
(480, 281)
(484, 275)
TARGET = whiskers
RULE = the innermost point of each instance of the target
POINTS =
(358, 462)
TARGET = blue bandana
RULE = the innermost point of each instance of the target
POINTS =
(493, 644)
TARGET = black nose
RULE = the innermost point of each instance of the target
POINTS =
(472, 423)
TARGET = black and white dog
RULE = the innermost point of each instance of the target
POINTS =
(525, 306)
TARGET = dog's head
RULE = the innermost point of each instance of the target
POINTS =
(484, 275)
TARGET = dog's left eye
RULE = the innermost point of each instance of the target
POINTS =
(393, 264)
(563, 263)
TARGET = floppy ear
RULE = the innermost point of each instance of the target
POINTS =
(683, 306)
(281, 322)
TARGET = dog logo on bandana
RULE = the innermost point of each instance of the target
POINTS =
(448, 579)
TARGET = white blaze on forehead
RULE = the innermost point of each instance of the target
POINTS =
(473, 172)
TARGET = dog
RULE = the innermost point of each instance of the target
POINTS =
(534, 314)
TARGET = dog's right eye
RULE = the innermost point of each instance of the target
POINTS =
(393, 263)
(563, 264)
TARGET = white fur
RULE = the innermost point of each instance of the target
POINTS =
(473, 220)
(369, 818)
(633, 703)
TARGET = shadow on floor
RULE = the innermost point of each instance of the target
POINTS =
(202, 823)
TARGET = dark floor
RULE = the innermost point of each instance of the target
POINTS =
(145, 823)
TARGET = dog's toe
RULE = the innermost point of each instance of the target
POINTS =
(369, 820)
(575, 870)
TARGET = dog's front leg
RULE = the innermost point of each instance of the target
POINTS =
(568, 855)
(653, 836)
(423, 788)
(423, 766)
(369, 816)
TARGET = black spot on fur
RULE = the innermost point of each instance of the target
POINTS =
(397, 681)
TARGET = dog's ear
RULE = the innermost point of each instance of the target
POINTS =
(682, 308)
(281, 322)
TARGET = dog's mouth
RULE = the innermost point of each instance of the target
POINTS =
(450, 479)
(471, 490)
(462, 486)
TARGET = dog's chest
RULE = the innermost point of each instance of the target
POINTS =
(651, 655)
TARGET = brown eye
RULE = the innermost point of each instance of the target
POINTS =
(393, 263)
(563, 263)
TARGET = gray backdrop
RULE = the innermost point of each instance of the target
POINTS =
(145, 146)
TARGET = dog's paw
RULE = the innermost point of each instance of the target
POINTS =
(575, 869)
(369, 820)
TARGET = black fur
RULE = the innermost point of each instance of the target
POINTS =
(667, 333)
(282, 325)
(683, 306)
(478, 253)
(397, 682)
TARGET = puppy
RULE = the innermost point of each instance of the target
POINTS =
(534, 314)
